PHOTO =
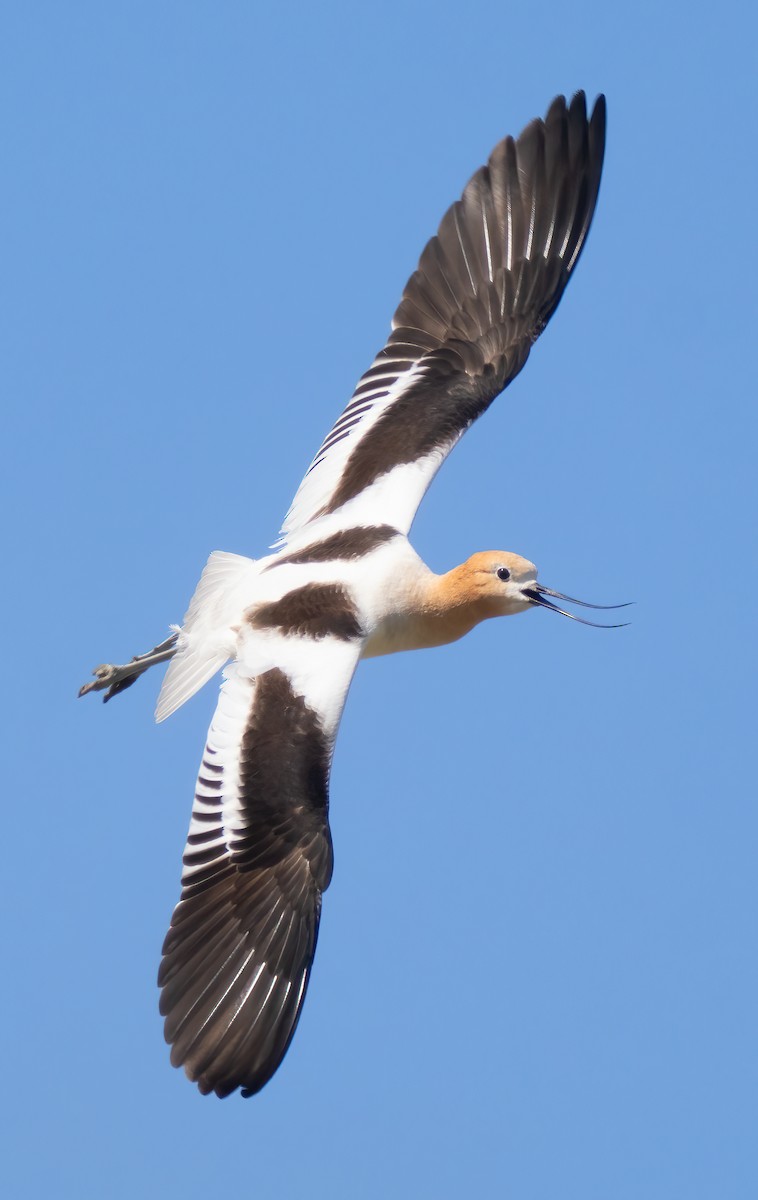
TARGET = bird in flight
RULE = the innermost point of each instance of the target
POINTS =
(345, 584)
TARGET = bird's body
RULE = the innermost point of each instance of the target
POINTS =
(346, 584)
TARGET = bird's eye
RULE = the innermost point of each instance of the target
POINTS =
(503, 573)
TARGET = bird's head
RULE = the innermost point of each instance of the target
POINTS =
(505, 583)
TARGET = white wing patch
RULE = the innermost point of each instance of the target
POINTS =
(361, 414)
(207, 638)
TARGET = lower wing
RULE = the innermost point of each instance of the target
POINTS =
(238, 955)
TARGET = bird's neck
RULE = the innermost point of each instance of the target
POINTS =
(456, 599)
(434, 610)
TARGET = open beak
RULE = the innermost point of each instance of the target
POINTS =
(538, 594)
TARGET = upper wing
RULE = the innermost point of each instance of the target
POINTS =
(238, 955)
(485, 288)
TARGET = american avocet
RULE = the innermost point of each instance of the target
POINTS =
(344, 585)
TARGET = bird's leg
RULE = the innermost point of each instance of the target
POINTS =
(116, 679)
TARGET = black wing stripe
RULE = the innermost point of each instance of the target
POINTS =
(345, 545)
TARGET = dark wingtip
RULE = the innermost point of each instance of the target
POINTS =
(598, 123)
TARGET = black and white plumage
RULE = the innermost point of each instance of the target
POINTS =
(485, 288)
(238, 955)
(346, 585)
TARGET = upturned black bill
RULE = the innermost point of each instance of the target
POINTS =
(538, 595)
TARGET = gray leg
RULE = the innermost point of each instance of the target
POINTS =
(117, 679)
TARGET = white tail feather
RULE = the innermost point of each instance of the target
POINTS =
(206, 638)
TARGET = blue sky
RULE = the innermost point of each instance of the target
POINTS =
(536, 975)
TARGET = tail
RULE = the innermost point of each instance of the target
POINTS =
(207, 637)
